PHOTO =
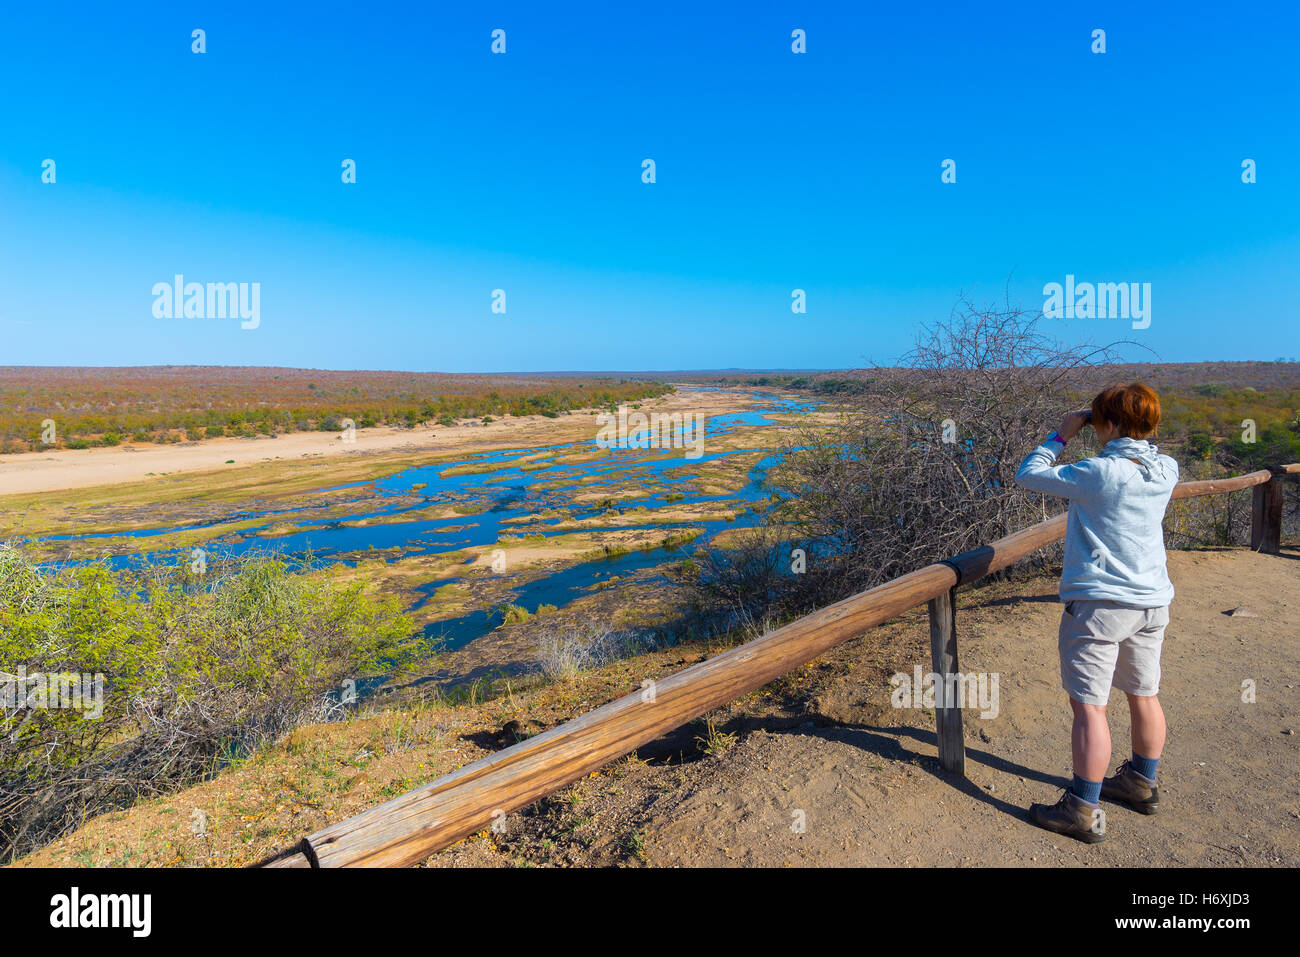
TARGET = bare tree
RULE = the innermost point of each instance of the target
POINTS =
(919, 465)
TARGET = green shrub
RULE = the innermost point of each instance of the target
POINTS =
(192, 677)
(514, 614)
(1274, 445)
(1200, 445)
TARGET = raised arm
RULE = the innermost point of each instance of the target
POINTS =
(1040, 473)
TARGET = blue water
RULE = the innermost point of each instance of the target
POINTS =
(509, 492)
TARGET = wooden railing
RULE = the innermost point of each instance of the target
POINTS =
(411, 827)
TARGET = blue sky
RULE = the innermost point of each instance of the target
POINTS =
(522, 172)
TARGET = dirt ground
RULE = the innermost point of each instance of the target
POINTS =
(864, 777)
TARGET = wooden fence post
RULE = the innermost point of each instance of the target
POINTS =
(1266, 517)
(943, 658)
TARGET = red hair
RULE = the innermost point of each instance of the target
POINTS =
(1133, 409)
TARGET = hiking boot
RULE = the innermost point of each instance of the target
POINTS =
(1072, 817)
(1129, 787)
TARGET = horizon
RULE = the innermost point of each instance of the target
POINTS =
(774, 370)
(780, 177)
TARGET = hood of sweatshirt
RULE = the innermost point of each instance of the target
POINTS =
(1143, 452)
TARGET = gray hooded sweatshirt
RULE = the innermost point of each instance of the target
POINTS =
(1114, 542)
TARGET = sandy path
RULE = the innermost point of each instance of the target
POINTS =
(86, 468)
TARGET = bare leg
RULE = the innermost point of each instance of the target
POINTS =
(1090, 740)
(1148, 722)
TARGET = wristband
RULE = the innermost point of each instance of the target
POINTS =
(1056, 437)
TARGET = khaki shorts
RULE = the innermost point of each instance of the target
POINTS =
(1102, 643)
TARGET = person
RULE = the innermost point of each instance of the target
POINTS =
(1117, 592)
